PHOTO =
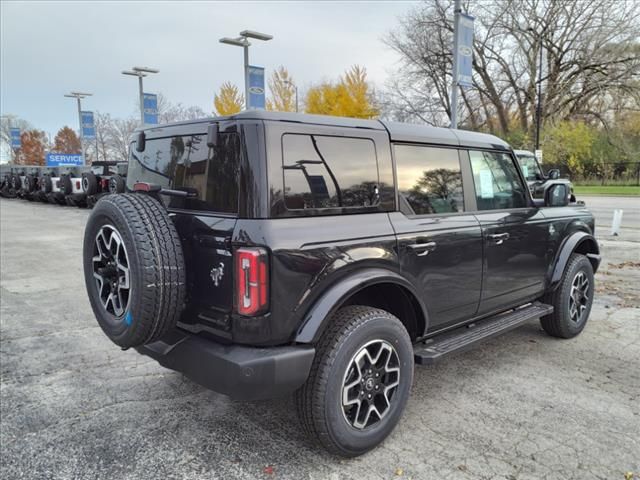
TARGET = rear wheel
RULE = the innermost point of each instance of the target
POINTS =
(572, 299)
(89, 183)
(116, 184)
(134, 269)
(46, 184)
(65, 184)
(359, 382)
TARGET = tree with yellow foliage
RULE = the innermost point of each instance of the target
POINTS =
(283, 92)
(228, 101)
(349, 97)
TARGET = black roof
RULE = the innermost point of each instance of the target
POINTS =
(398, 132)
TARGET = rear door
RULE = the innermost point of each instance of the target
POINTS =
(439, 243)
(206, 218)
(515, 233)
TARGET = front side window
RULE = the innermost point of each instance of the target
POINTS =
(429, 179)
(498, 185)
(209, 175)
(322, 172)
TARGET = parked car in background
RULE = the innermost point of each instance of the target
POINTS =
(105, 177)
(537, 181)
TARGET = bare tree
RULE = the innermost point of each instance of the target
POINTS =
(590, 49)
(176, 112)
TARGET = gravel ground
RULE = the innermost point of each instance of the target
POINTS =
(523, 406)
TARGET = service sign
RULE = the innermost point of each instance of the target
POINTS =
(64, 159)
(150, 106)
(256, 87)
(465, 51)
(15, 138)
(88, 127)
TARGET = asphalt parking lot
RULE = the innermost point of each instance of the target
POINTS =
(523, 406)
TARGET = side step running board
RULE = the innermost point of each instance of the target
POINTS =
(463, 338)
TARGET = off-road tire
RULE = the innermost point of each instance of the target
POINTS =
(318, 401)
(65, 184)
(46, 184)
(116, 184)
(89, 183)
(156, 268)
(16, 183)
(30, 183)
(559, 323)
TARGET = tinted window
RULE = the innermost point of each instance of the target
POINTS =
(187, 163)
(429, 179)
(497, 182)
(323, 172)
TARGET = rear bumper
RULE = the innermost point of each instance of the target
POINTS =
(241, 372)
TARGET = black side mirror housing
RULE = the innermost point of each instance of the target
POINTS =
(557, 195)
(212, 135)
(140, 142)
(553, 174)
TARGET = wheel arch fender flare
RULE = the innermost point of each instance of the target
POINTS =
(581, 242)
(319, 314)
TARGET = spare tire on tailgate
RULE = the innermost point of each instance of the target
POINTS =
(133, 268)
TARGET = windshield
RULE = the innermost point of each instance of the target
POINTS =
(530, 167)
(185, 162)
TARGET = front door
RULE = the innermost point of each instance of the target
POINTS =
(515, 233)
(439, 244)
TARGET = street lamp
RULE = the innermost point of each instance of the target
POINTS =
(140, 72)
(289, 82)
(539, 39)
(79, 96)
(243, 41)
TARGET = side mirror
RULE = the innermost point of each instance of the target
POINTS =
(556, 195)
(212, 135)
(553, 174)
(140, 142)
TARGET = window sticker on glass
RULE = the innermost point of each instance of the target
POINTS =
(525, 171)
(486, 184)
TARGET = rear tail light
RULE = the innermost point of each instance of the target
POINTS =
(77, 184)
(252, 281)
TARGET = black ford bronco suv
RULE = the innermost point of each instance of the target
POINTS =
(264, 254)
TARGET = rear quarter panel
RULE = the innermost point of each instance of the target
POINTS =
(308, 255)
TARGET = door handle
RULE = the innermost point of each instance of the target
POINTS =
(498, 238)
(423, 249)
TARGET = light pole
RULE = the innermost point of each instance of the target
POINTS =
(289, 82)
(79, 96)
(140, 72)
(457, 9)
(539, 39)
(243, 41)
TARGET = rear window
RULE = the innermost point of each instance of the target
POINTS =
(323, 173)
(187, 163)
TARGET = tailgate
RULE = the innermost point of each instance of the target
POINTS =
(206, 242)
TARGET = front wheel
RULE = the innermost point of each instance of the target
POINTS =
(359, 382)
(572, 299)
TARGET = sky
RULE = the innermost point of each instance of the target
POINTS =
(53, 47)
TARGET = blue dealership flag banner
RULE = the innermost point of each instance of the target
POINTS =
(64, 159)
(15, 138)
(256, 87)
(88, 127)
(150, 107)
(465, 51)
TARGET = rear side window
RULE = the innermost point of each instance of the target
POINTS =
(498, 185)
(186, 163)
(429, 179)
(322, 172)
